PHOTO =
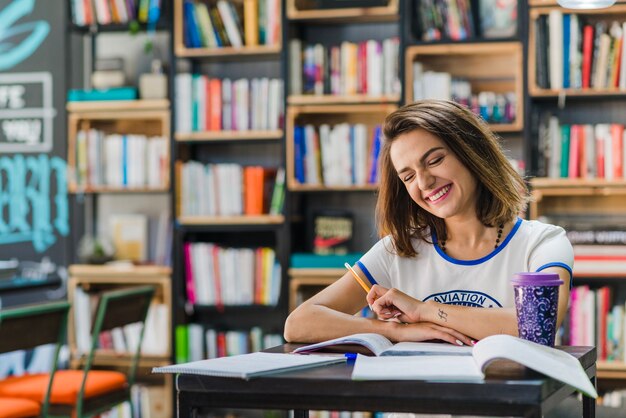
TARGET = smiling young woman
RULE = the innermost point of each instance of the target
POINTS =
(451, 239)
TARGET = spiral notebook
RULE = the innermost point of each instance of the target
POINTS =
(246, 366)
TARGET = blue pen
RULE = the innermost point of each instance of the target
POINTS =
(350, 357)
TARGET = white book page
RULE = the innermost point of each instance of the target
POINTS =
(248, 365)
(376, 343)
(453, 368)
(427, 349)
(549, 361)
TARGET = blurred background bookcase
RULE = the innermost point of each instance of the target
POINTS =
(575, 145)
(129, 180)
(229, 259)
(493, 50)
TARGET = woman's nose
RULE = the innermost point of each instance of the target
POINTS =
(425, 180)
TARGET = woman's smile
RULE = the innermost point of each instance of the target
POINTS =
(440, 194)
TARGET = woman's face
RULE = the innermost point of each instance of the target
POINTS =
(433, 175)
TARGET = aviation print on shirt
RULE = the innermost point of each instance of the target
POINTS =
(465, 298)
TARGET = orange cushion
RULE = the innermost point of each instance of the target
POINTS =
(18, 408)
(66, 385)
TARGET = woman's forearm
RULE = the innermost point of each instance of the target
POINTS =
(476, 323)
(313, 323)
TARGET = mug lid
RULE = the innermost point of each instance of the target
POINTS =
(536, 279)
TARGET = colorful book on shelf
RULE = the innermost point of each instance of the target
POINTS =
(230, 25)
(310, 260)
(117, 93)
(587, 55)
(251, 22)
(191, 29)
(566, 50)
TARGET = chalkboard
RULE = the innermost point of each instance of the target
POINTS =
(34, 205)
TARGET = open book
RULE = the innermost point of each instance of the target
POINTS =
(378, 345)
(246, 366)
(554, 363)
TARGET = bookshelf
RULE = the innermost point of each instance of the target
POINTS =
(366, 114)
(89, 280)
(253, 73)
(488, 67)
(536, 47)
(118, 159)
(306, 10)
(320, 113)
(87, 165)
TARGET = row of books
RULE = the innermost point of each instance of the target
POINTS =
(120, 160)
(104, 12)
(229, 189)
(341, 155)
(213, 104)
(491, 106)
(368, 67)
(120, 340)
(594, 319)
(140, 238)
(613, 399)
(581, 151)
(147, 402)
(228, 23)
(194, 342)
(344, 414)
(572, 52)
(224, 276)
(444, 19)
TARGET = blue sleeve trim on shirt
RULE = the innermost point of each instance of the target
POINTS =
(563, 265)
(366, 272)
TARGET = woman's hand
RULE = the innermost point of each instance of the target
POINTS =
(426, 331)
(392, 303)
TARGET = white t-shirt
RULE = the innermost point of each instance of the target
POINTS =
(433, 275)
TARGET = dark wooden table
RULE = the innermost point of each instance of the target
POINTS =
(508, 390)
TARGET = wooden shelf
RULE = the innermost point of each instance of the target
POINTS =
(493, 66)
(228, 52)
(576, 196)
(232, 220)
(537, 92)
(310, 99)
(549, 183)
(114, 271)
(297, 187)
(112, 359)
(74, 189)
(611, 370)
(117, 105)
(208, 136)
(603, 276)
(387, 13)
(312, 278)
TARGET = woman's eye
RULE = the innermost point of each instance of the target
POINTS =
(408, 177)
(435, 161)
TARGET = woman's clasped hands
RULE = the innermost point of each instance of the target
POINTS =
(392, 304)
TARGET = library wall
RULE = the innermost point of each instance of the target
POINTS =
(34, 209)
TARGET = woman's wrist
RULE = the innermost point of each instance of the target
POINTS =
(431, 312)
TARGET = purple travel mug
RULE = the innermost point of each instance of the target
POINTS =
(536, 303)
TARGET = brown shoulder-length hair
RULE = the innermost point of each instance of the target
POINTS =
(502, 193)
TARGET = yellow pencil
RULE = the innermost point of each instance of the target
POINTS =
(357, 278)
